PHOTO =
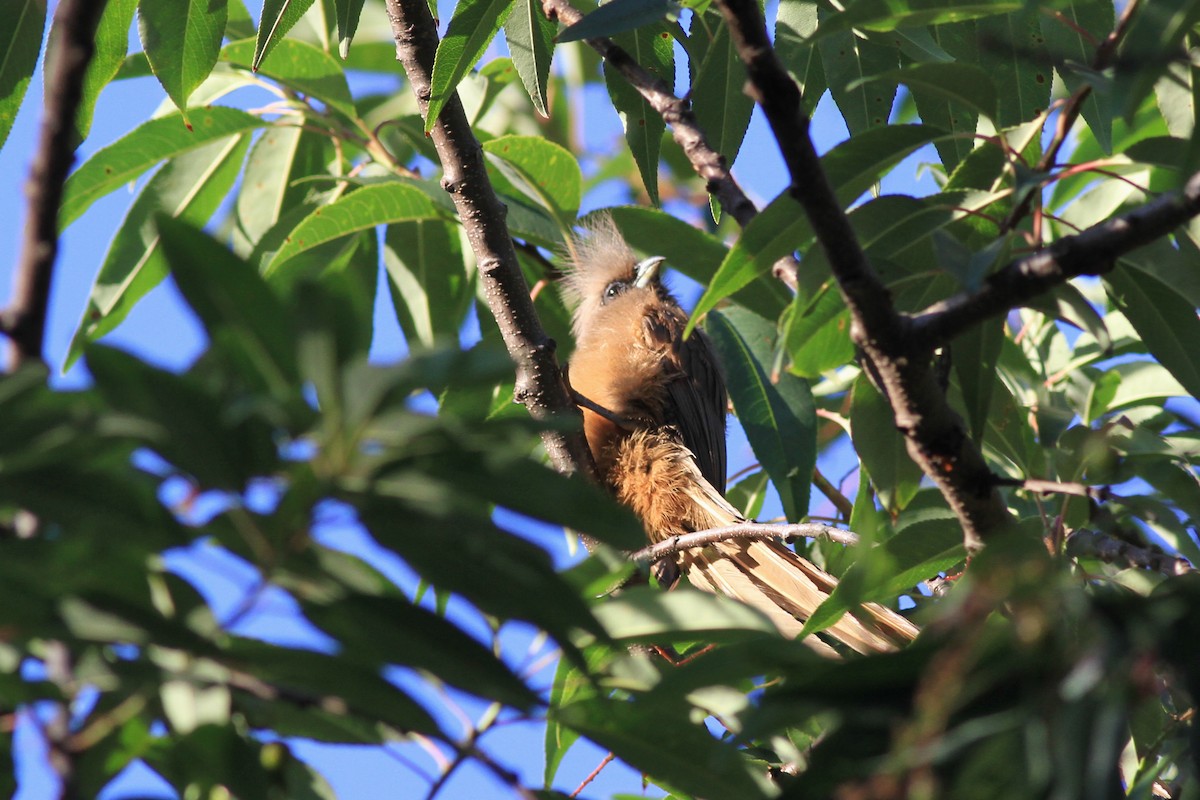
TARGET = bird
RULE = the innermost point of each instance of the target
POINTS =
(654, 404)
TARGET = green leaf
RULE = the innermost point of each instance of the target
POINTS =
(271, 186)
(849, 62)
(973, 356)
(390, 630)
(112, 43)
(474, 24)
(530, 36)
(181, 44)
(1072, 36)
(617, 16)
(916, 553)
(321, 677)
(653, 48)
(722, 109)
(500, 573)
(964, 85)
(861, 161)
(1166, 321)
(543, 170)
(817, 332)
(883, 15)
(1023, 83)
(301, 66)
(25, 22)
(881, 447)
(378, 204)
(232, 301)
(430, 287)
(779, 420)
(184, 424)
(778, 230)
(673, 749)
(144, 147)
(1150, 45)
(559, 739)
(683, 614)
(190, 187)
(794, 25)
(348, 13)
(278, 17)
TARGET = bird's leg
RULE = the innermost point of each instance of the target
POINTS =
(624, 423)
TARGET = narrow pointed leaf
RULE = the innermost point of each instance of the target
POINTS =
(429, 283)
(780, 421)
(348, 13)
(472, 28)
(25, 23)
(849, 63)
(278, 17)
(190, 187)
(359, 210)
(617, 16)
(144, 147)
(530, 36)
(881, 447)
(301, 66)
(722, 108)
(112, 43)
(1166, 321)
(550, 172)
(653, 48)
(181, 43)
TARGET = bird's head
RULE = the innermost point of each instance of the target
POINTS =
(605, 276)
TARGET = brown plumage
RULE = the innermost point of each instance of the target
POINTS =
(660, 445)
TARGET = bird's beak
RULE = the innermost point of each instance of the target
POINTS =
(646, 270)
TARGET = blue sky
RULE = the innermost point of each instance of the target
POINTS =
(163, 331)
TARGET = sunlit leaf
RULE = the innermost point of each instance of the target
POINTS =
(472, 28)
(26, 20)
(182, 47)
(144, 147)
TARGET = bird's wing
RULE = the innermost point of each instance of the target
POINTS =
(695, 392)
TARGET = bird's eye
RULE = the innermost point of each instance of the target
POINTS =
(613, 289)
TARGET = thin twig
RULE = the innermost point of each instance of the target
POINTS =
(843, 506)
(756, 531)
(1093, 544)
(24, 321)
(592, 775)
(1098, 493)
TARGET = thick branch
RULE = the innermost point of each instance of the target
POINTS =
(540, 385)
(746, 530)
(934, 434)
(677, 113)
(24, 321)
(1091, 252)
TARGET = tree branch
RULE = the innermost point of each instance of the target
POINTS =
(539, 384)
(747, 530)
(1084, 543)
(677, 113)
(1091, 252)
(24, 320)
(934, 434)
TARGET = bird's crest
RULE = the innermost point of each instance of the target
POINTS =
(595, 257)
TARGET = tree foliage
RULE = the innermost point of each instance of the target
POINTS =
(1008, 346)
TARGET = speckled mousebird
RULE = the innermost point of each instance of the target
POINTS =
(659, 440)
